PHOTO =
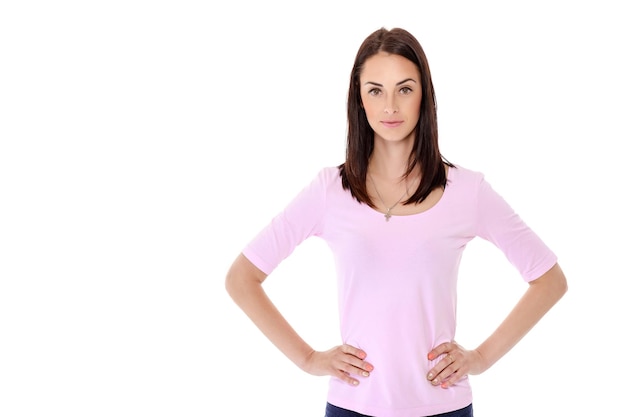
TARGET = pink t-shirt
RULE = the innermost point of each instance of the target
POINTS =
(397, 280)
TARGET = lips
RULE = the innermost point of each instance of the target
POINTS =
(391, 123)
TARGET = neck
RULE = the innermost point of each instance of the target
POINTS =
(388, 163)
(389, 159)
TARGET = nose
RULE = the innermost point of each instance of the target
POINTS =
(390, 106)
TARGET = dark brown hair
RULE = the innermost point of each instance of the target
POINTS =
(360, 135)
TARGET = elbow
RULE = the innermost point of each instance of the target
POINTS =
(558, 282)
(558, 288)
(232, 284)
(563, 287)
(242, 278)
(235, 288)
(228, 285)
(553, 283)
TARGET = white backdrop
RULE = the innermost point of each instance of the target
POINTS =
(142, 144)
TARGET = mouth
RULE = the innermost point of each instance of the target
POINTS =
(391, 123)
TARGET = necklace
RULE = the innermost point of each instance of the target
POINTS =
(388, 213)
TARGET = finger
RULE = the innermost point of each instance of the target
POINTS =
(351, 378)
(354, 351)
(444, 377)
(345, 377)
(443, 369)
(354, 366)
(440, 350)
(355, 358)
(358, 364)
(459, 371)
(453, 379)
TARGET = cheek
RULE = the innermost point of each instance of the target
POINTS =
(415, 108)
(370, 108)
(418, 103)
(370, 115)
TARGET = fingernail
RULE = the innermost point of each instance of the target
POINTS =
(435, 381)
(369, 367)
(430, 356)
(364, 373)
(355, 382)
(444, 385)
(429, 376)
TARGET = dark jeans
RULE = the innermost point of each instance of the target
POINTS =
(333, 411)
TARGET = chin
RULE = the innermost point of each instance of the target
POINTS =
(399, 138)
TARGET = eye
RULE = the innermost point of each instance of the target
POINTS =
(374, 92)
(406, 90)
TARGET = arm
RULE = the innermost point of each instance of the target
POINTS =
(542, 294)
(244, 285)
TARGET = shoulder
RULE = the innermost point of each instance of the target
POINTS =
(468, 185)
(325, 180)
(464, 177)
(327, 176)
(330, 173)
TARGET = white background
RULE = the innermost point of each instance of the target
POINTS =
(143, 143)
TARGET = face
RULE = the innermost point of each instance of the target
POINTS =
(391, 92)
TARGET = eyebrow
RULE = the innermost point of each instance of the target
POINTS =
(398, 83)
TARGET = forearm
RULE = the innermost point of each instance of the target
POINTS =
(250, 296)
(541, 295)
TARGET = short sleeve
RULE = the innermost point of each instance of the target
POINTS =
(299, 220)
(501, 225)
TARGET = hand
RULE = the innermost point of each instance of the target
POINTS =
(341, 362)
(456, 363)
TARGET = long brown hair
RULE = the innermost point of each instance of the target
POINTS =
(360, 135)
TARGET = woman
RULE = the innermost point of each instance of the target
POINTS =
(397, 217)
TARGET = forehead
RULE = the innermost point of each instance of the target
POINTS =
(388, 67)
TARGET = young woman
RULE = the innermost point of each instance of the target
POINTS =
(397, 217)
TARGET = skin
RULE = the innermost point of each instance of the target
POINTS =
(391, 91)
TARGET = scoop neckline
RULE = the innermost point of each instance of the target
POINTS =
(449, 176)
